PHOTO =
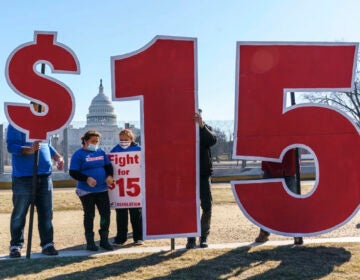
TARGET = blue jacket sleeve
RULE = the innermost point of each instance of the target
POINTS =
(14, 140)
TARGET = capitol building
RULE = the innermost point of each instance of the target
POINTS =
(102, 118)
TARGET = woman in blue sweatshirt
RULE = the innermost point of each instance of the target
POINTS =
(127, 144)
(92, 169)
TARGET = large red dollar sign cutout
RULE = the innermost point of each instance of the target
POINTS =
(163, 76)
(265, 130)
(54, 96)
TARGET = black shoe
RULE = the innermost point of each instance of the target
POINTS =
(191, 243)
(117, 244)
(92, 247)
(298, 241)
(106, 245)
(203, 243)
(15, 253)
(262, 237)
(50, 251)
(139, 242)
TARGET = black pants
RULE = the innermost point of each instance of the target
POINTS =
(206, 205)
(101, 201)
(122, 224)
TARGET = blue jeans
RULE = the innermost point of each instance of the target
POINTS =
(22, 192)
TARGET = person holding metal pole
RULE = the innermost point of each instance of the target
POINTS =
(23, 153)
(208, 139)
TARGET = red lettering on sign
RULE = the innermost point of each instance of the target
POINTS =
(132, 187)
(124, 160)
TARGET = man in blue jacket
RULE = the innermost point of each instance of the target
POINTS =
(22, 177)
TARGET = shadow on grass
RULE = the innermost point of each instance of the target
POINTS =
(20, 267)
(253, 263)
(286, 262)
(97, 242)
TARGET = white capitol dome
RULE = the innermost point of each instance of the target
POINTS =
(101, 111)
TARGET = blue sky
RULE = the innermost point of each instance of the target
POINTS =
(97, 30)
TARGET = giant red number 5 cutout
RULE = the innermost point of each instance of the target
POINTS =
(265, 130)
(162, 76)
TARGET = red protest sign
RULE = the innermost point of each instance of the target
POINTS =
(163, 76)
(265, 130)
(126, 191)
(55, 97)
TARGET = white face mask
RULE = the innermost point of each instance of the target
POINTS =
(92, 147)
(125, 144)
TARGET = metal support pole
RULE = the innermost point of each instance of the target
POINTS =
(2, 149)
(66, 149)
(172, 244)
(297, 158)
(34, 188)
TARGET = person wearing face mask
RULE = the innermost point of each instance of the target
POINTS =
(92, 169)
(127, 144)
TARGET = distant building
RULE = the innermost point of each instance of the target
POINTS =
(102, 118)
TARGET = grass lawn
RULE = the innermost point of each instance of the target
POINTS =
(328, 261)
(311, 261)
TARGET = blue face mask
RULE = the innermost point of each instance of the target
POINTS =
(92, 147)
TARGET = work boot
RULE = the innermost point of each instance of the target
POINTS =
(191, 243)
(104, 240)
(262, 237)
(203, 243)
(90, 243)
(298, 241)
(15, 252)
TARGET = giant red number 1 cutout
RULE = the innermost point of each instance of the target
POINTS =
(162, 76)
(265, 130)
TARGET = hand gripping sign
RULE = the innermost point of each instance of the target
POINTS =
(26, 81)
(163, 76)
(265, 129)
(126, 191)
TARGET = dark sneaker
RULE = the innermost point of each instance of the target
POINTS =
(118, 244)
(203, 243)
(50, 251)
(106, 245)
(262, 237)
(191, 243)
(15, 253)
(92, 247)
(139, 242)
(298, 241)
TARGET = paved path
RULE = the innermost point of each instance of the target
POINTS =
(140, 249)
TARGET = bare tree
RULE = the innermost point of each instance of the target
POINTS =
(220, 146)
(348, 102)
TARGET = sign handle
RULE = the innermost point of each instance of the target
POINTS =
(34, 187)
